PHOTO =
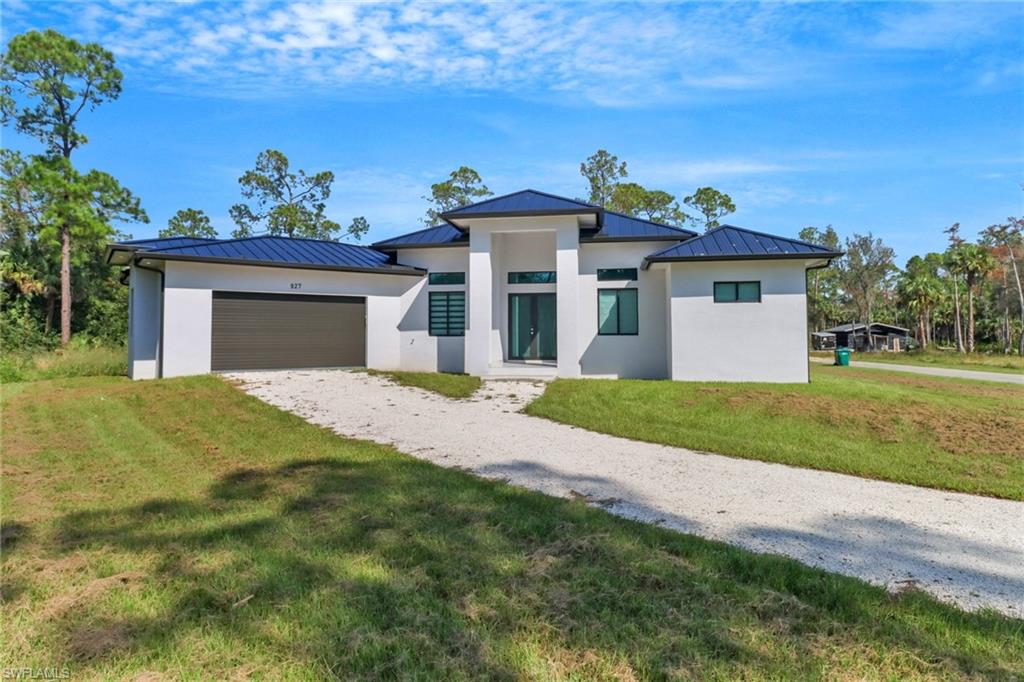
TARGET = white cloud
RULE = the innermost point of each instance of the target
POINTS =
(946, 25)
(677, 173)
(618, 55)
(615, 55)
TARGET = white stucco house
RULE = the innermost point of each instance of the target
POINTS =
(523, 285)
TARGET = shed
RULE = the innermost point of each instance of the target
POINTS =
(877, 336)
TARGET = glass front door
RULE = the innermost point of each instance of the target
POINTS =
(531, 327)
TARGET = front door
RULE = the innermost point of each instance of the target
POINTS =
(531, 326)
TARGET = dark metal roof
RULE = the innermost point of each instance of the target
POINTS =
(729, 242)
(120, 253)
(285, 252)
(438, 235)
(621, 227)
(165, 242)
(857, 326)
(524, 202)
(616, 227)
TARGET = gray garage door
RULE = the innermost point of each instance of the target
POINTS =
(283, 331)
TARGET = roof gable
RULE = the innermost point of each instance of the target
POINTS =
(729, 242)
(524, 202)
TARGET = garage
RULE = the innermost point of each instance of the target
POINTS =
(287, 331)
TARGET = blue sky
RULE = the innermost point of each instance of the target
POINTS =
(897, 119)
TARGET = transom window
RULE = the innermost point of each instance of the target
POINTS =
(446, 278)
(543, 277)
(616, 274)
(617, 313)
(447, 313)
(737, 292)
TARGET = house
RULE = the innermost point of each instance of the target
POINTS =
(874, 337)
(523, 285)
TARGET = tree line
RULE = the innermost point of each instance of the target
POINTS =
(967, 297)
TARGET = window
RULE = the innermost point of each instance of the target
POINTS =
(446, 278)
(737, 292)
(447, 313)
(616, 274)
(617, 312)
(532, 277)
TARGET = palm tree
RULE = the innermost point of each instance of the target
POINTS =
(920, 292)
(975, 262)
(954, 266)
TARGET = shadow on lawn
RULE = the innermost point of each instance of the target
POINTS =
(394, 568)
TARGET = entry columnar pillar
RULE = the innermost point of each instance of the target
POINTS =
(567, 266)
(478, 335)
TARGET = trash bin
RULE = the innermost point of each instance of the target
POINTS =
(842, 357)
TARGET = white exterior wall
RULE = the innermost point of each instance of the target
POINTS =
(682, 335)
(519, 252)
(188, 307)
(644, 356)
(498, 246)
(764, 341)
(143, 323)
(567, 258)
(421, 352)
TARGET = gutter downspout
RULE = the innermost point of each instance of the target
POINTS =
(160, 356)
(806, 336)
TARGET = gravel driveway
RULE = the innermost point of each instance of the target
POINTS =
(962, 548)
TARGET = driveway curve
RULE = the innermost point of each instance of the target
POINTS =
(964, 549)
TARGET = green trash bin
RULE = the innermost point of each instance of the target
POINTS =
(842, 357)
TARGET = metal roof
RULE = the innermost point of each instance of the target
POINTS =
(729, 242)
(120, 253)
(438, 235)
(165, 242)
(285, 252)
(619, 226)
(856, 326)
(616, 227)
(524, 202)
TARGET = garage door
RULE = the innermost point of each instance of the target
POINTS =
(282, 331)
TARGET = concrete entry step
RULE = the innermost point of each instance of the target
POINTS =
(524, 370)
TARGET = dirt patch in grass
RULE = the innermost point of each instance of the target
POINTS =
(97, 640)
(63, 603)
(977, 433)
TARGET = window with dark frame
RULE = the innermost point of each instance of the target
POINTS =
(737, 292)
(616, 274)
(617, 312)
(446, 278)
(447, 313)
(543, 277)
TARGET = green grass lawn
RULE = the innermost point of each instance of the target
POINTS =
(448, 385)
(181, 528)
(940, 433)
(75, 361)
(986, 362)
